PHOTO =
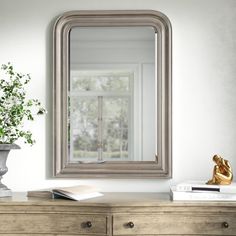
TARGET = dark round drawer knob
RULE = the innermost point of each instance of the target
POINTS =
(225, 225)
(130, 224)
(88, 224)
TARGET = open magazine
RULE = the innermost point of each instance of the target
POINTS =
(77, 193)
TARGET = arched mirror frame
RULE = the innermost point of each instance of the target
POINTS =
(162, 166)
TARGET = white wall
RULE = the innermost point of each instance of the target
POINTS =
(204, 85)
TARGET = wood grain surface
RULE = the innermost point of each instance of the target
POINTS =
(150, 213)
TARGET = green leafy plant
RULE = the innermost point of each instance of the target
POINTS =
(15, 108)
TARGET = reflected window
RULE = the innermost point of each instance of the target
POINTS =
(100, 115)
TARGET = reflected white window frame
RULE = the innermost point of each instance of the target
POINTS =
(112, 94)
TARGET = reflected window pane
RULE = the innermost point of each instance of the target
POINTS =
(85, 145)
(115, 108)
(84, 112)
(115, 144)
(115, 127)
(85, 127)
(84, 80)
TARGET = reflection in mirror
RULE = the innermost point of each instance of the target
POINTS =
(112, 91)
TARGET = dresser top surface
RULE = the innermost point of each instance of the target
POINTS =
(111, 200)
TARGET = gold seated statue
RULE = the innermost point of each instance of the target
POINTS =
(222, 173)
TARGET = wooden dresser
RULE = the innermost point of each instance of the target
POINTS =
(116, 214)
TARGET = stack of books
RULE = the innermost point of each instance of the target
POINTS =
(199, 191)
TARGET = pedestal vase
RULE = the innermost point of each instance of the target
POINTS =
(4, 151)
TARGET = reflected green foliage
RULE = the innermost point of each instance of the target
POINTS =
(85, 136)
(115, 130)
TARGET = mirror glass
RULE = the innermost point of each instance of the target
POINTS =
(112, 94)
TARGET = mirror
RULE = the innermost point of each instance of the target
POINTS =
(112, 94)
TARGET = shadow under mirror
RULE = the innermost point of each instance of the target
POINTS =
(112, 94)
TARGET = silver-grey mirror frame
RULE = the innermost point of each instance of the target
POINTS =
(162, 167)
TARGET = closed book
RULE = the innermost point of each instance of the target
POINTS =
(200, 196)
(40, 193)
(201, 186)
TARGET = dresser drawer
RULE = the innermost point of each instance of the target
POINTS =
(53, 223)
(174, 224)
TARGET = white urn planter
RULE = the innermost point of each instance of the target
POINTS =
(4, 151)
(15, 109)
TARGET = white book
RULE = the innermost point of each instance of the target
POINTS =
(200, 196)
(77, 193)
(201, 186)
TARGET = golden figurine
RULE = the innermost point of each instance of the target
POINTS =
(222, 173)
